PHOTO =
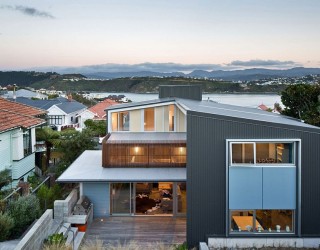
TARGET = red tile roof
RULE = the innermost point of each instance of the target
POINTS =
(20, 108)
(16, 115)
(10, 120)
(99, 109)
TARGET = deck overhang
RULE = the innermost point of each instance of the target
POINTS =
(88, 168)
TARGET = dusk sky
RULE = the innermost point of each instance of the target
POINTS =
(225, 33)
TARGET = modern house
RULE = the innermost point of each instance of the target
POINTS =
(234, 172)
(17, 138)
(62, 112)
(96, 112)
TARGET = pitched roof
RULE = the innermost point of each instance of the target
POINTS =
(10, 120)
(20, 108)
(99, 109)
(67, 106)
(227, 110)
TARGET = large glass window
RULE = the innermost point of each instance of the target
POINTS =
(266, 221)
(27, 149)
(120, 198)
(149, 119)
(274, 152)
(114, 121)
(261, 153)
(171, 117)
(120, 121)
(242, 153)
(124, 119)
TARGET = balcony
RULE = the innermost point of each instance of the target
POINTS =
(144, 150)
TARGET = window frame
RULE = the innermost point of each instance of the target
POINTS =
(265, 232)
(255, 142)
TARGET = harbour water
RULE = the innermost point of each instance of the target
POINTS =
(244, 100)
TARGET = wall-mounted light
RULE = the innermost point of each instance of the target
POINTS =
(136, 150)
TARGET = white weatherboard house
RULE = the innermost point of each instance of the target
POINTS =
(17, 138)
(62, 112)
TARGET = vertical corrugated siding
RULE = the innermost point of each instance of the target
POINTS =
(99, 195)
(206, 171)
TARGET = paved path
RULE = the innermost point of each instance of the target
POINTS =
(143, 230)
(8, 245)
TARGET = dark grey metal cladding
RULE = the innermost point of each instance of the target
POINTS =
(99, 195)
(206, 170)
(193, 92)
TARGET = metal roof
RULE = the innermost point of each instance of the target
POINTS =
(147, 137)
(227, 110)
(88, 168)
(64, 104)
(240, 112)
(137, 104)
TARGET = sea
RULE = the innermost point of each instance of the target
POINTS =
(244, 100)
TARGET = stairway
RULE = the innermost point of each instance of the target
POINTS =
(73, 236)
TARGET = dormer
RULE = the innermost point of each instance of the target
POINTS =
(152, 116)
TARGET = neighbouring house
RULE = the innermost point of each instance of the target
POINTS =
(62, 112)
(17, 138)
(234, 172)
(96, 112)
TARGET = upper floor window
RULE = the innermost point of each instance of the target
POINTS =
(55, 119)
(171, 117)
(243, 153)
(27, 149)
(120, 121)
(149, 119)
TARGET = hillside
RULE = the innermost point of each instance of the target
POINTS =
(76, 82)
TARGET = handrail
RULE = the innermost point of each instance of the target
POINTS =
(33, 191)
(13, 192)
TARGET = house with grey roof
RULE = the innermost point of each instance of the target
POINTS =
(62, 112)
(239, 175)
(25, 93)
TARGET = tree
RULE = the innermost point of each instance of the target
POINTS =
(302, 101)
(5, 178)
(50, 137)
(99, 128)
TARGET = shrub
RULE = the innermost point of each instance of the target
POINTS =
(6, 224)
(47, 196)
(24, 211)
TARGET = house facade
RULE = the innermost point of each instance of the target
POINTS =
(62, 112)
(234, 172)
(17, 138)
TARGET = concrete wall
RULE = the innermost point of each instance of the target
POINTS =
(64, 208)
(41, 230)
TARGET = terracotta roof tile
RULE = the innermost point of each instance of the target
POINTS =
(99, 109)
(19, 108)
(10, 120)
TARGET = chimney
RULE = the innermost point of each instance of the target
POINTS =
(14, 96)
(70, 97)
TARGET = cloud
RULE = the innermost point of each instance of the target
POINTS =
(156, 67)
(28, 11)
(263, 63)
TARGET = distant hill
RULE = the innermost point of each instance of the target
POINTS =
(232, 75)
(23, 78)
